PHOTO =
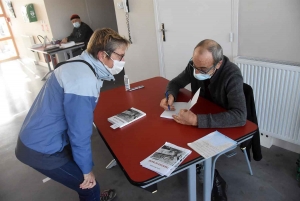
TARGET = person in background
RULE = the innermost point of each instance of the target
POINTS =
(221, 82)
(55, 138)
(81, 33)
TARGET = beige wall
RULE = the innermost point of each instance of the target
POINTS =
(19, 27)
(95, 13)
(101, 14)
(59, 12)
(270, 29)
(142, 56)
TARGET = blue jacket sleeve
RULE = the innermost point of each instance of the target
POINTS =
(79, 115)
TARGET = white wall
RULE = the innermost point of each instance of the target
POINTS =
(142, 56)
(19, 27)
(270, 29)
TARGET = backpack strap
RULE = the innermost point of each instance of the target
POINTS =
(64, 62)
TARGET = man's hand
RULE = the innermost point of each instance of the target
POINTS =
(64, 40)
(89, 181)
(164, 103)
(186, 117)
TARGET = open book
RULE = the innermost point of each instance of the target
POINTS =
(124, 118)
(166, 159)
(212, 144)
(181, 105)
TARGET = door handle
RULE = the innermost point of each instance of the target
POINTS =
(163, 31)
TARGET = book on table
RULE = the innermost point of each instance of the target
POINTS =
(126, 117)
(212, 144)
(166, 159)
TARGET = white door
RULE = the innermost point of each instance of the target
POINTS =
(186, 23)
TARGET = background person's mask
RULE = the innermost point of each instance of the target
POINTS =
(76, 24)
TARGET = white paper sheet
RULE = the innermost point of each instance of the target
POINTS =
(181, 105)
(212, 144)
(178, 106)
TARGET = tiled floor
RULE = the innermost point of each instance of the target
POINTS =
(273, 179)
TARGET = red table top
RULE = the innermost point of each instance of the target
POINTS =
(133, 143)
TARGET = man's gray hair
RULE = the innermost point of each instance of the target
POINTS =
(213, 47)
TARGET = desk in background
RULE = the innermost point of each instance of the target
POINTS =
(52, 52)
(136, 141)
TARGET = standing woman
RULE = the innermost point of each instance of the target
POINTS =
(55, 138)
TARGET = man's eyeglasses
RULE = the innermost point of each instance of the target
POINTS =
(121, 56)
(202, 69)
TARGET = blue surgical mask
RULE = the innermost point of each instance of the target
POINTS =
(76, 24)
(201, 76)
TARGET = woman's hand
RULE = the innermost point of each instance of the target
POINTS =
(89, 181)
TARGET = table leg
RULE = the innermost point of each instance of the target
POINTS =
(50, 71)
(111, 164)
(207, 180)
(71, 54)
(66, 56)
(192, 183)
(53, 61)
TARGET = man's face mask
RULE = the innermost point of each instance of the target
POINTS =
(201, 76)
(117, 67)
(76, 24)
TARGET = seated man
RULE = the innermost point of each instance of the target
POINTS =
(81, 33)
(221, 82)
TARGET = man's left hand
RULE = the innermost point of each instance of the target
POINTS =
(186, 117)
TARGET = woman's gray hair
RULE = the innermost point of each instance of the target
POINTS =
(107, 40)
(213, 47)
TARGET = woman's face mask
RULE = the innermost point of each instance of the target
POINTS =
(117, 67)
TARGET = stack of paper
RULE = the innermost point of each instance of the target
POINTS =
(166, 159)
(212, 144)
(181, 105)
(68, 44)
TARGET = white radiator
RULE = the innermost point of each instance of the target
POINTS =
(28, 42)
(276, 88)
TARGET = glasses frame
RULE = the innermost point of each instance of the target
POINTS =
(116, 54)
(122, 56)
(202, 71)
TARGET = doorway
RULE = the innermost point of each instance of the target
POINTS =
(186, 23)
(8, 49)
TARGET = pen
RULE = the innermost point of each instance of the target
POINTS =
(167, 97)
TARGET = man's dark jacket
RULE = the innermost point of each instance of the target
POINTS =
(226, 89)
(81, 34)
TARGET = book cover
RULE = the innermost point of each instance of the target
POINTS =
(166, 159)
(124, 118)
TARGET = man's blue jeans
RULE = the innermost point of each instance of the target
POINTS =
(71, 176)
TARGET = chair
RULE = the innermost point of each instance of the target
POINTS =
(253, 142)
